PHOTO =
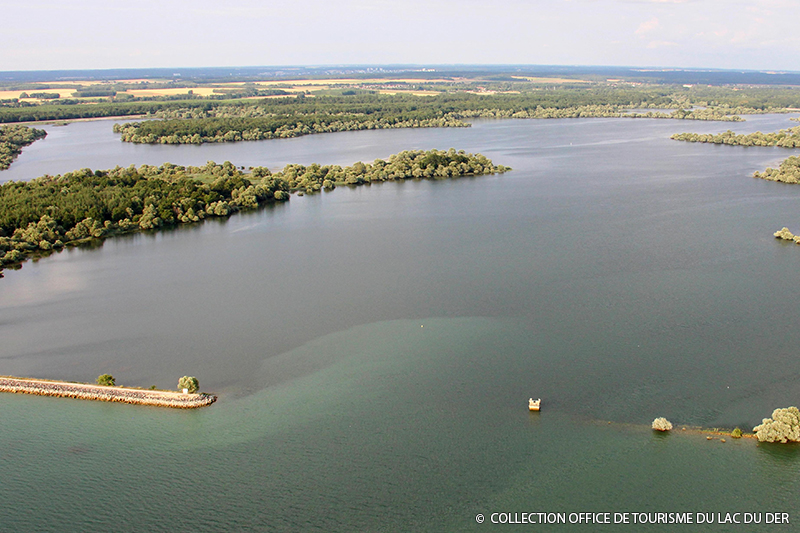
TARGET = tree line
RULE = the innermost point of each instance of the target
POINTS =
(455, 100)
(51, 212)
(250, 122)
(13, 138)
(198, 131)
(788, 138)
(65, 110)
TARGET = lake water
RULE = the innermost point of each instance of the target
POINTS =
(374, 348)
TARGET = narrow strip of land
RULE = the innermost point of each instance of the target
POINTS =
(85, 391)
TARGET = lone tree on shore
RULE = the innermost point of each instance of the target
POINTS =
(784, 426)
(189, 383)
(662, 424)
(106, 380)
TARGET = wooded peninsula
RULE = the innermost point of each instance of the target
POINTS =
(788, 172)
(788, 138)
(51, 212)
(13, 138)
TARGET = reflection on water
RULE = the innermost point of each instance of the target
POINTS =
(44, 284)
(783, 455)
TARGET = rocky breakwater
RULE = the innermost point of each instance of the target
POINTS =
(84, 391)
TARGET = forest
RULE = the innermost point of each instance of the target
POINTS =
(13, 139)
(66, 110)
(464, 99)
(51, 212)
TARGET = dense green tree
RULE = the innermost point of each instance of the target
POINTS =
(784, 426)
(106, 380)
(189, 384)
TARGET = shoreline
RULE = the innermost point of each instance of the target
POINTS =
(85, 391)
(715, 433)
(66, 121)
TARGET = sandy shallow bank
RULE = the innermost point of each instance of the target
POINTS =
(84, 391)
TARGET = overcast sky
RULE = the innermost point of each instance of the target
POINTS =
(83, 34)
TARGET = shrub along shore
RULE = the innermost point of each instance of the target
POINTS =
(85, 391)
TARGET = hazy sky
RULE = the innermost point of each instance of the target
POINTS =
(747, 34)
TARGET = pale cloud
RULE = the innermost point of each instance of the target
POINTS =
(741, 37)
(777, 4)
(652, 45)
(647, 26)
(657, 1)
(716, 34)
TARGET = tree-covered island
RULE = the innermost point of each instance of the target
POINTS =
(13, 138)
(50, 212)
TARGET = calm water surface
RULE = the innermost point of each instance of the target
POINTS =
(374, 348)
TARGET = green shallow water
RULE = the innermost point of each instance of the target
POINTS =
(401, 425)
